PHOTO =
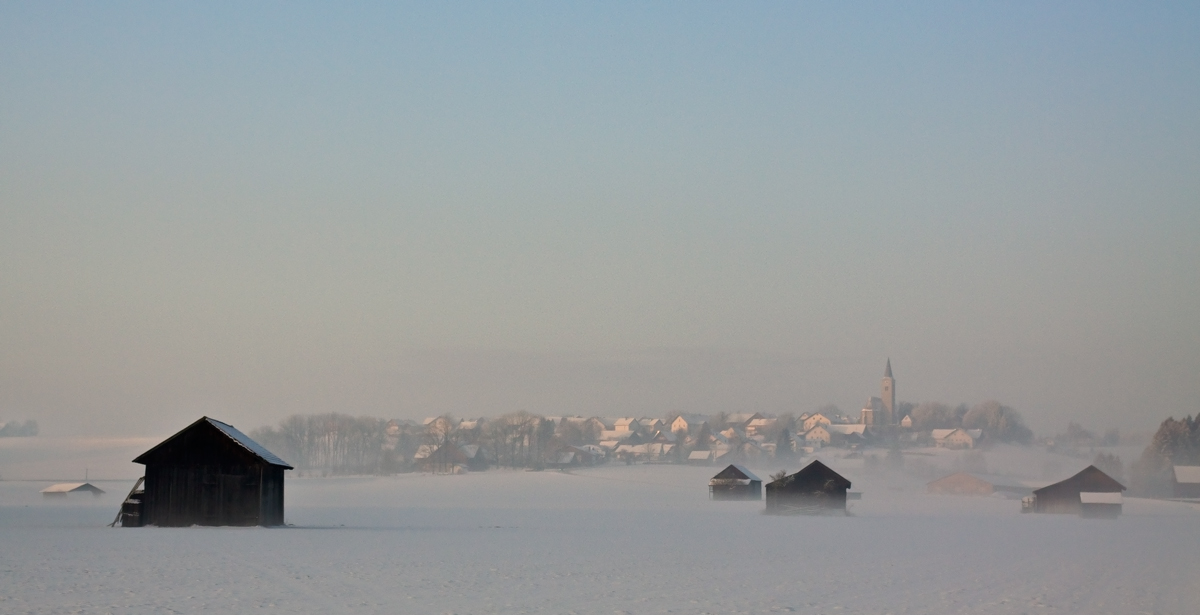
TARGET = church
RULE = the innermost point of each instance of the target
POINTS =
(882, 410)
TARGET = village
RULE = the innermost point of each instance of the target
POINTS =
(211, 473)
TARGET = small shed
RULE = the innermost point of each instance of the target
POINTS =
(62, 489)
(960, 483)
(1064, 497)
(1100, 505)
(735, 482)
(1186, 481)
(211, 474)
(814, 490)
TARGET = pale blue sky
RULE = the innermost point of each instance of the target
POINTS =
(250, 211)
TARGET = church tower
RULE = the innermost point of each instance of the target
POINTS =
(888, 393)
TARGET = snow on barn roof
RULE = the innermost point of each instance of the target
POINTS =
(699, 455)
(1101, 497)
(72, 488)
(737, 471)
(247, 443)
(1187, 474)
(232, 433)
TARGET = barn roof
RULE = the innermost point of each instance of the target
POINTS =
(232, 433)
(72, 487)
(699, 455)
(1187, 474)
(737, 471)
(1090, 479)
(813, 471)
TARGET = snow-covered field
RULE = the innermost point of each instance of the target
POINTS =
(616, 539)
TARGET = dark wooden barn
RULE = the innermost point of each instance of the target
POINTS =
(1064, 497)
(210, 474)
(735, 483)
(814, 490)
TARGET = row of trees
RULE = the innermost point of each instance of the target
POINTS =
(17, 429)
(1176, 443)
(998, 421)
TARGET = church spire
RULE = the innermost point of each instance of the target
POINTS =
(887, 373)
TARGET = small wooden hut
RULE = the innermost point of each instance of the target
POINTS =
(211, 474)
(1186, 481)
(62, 489)
(814, 490)
(1064, 497)
(735, 483)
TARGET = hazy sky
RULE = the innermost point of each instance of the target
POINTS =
(250, 210)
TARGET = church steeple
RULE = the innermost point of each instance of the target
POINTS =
(888, 393)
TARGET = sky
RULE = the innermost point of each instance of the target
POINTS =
(253, 210)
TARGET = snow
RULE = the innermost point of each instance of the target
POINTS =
(613, 539)
(1100, 497)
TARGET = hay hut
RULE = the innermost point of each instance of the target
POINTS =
(62, 489)
(211, 474)
(1186, 481)
(814, 490)
(735, 482)
(1064, 497)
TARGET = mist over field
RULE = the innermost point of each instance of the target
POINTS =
(485, 308)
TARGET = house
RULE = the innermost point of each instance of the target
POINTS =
(700, 458)
(1064, 497)
(741, 419)
(1186, 481)
(651, 425)
(906, 422)
(814, 490)
(735, 482)
(211, 474)
(814, 420)
(687, 422)
(62, 489)
(817, 434)
(956, 438)
(448, 458)
(626, 424)
(759, 426)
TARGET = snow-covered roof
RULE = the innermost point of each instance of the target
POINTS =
(248, 444)
(847, 429)
(1101, 497)
(1187, 474)
(940, 434)
(699, 455)
(72, 487)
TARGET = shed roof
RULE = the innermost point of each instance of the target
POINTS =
(1187, 474)
(695, 455)
(72, 487)
(735, 470)
(813, 471)
(1090, 479)
(232, 433)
